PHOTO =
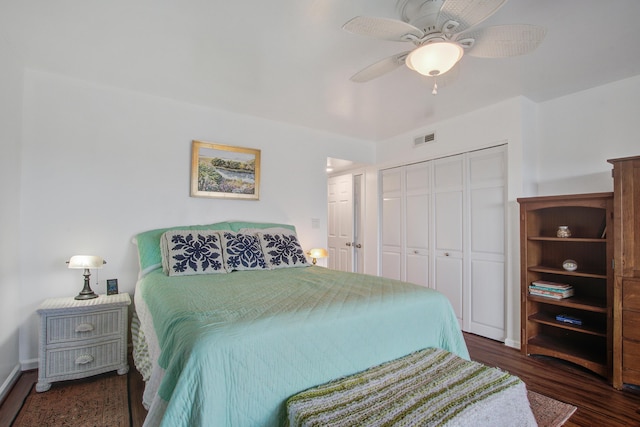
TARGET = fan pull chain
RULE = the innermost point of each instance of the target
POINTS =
(434, 92)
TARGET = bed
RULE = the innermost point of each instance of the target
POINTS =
(229, 345)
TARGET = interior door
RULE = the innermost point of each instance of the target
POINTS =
(448, 188)
(340, 226)
(417, 220)
(358, 223)
(392, 265)
(484, 311)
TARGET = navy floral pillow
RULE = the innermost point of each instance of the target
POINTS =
(188, 252)
(282, 250)
(242, 252)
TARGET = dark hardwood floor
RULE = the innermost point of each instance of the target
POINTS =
(598, 403)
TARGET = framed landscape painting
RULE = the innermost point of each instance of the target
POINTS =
(224, 171)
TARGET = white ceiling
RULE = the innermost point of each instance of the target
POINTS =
(290, 61)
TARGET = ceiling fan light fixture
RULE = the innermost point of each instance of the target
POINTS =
(435, 58)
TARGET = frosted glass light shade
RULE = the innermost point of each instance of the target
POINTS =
(318, 253)
(435, 58)
(86, 261)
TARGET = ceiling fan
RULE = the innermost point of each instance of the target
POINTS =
(442, 32)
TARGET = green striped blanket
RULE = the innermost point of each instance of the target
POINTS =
(430, 387)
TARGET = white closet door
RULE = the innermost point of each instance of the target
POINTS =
(417, 219)
(340, 239)
(448, 188)
(485, 311)
(391, 239)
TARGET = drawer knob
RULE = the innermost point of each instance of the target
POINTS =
(84, 327)
(83, 359)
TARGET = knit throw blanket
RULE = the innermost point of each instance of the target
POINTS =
(430, 387)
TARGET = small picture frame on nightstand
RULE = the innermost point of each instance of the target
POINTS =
(112, 286)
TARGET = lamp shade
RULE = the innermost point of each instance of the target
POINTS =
(318, 253)
(86, 261)
(435, 58)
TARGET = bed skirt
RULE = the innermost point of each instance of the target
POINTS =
(430, 387)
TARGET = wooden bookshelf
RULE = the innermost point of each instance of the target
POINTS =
(588, 216)
(626, 305)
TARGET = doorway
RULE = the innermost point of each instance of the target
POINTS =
(346, 222)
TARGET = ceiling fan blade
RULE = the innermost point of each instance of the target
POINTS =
(382, 28)
(465, 13)
(379, 68)
(503, 41)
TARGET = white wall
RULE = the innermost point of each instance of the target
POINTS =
(555, 147)
(102, 164)
(579, 132)
(501, 123)
(10, 116)
(96, 165)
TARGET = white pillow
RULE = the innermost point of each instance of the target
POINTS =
(282, 249)
(242, 252)
(188, 252)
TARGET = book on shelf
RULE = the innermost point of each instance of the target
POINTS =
(552, 285)
(565, 318)
(550, 293)
(544, 288)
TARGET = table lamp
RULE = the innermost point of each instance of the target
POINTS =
(87, 262)
(316, 253)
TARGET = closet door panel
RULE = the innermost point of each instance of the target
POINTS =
(448, 175)
(392, 224)
(418, 221)
(485, 292)
(487, 220)
(392, 238)
(449, 281)
(418, 268)
(418, 218)
(448, 213)
(487, 295)
(417, 239)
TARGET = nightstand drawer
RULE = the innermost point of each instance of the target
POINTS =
(76, 327)
(71, 360)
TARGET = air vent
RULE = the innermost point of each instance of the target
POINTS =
(421, 140)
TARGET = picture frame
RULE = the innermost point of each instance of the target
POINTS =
(112, 286)
(224, 171)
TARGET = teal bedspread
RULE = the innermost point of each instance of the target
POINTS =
(235, 346)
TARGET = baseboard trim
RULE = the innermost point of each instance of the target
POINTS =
(7, 385)
(512, 343)
(29, 365)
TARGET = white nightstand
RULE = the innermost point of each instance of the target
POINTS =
(82, 338)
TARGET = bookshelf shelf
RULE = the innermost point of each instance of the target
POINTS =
(550, 319)
(542, 254)
(568, 239)
(566, 349)
(561, 272)
(581, 303)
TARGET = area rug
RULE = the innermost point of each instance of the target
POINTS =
(549, 412)
(103, 401)
(97, 401)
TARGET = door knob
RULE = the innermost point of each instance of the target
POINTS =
(358, 246)
(348, 243)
